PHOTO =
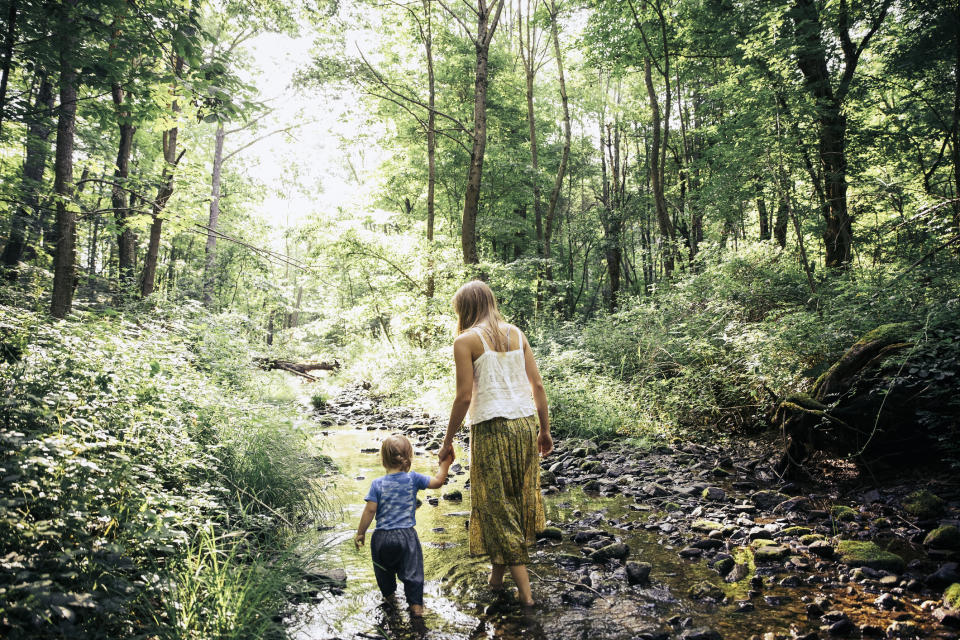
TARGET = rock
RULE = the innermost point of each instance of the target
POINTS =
(550, 533)
(326, 578)
(945, 537)
(582, 537)
(744, 606)
(456, 495)
(591, 466)
(902, 629)
(586, 451)
(768, 499)
(923, 504)
(654, 490)
(843, 513)
(700, 634)
(770, 553)
(617, 550)
(947, 617)
(578, 598)
(796, 531)
(714, 493)
(706, 526)
(839, 623)
(704, 589)
(638, 572)
(889, 602)
(738, 573)
(821, 548)
(592, 485)
(951, 597)
(690, 552)
(797, 503)
(944, 576)
(707, 544)
(871, 631)
(724, 566)
(791, 581)
(547, 478)
(862, 553)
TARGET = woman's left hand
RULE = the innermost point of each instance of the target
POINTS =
(544, 444)
(446, 450)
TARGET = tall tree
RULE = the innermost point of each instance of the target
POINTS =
(815, 64)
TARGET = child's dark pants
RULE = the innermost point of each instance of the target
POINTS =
(397, 554)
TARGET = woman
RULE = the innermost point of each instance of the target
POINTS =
(499, 383)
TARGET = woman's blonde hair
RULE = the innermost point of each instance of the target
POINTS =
(396, 452)
(474, 303)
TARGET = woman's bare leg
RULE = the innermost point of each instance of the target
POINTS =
(496, 576)
(522, 580)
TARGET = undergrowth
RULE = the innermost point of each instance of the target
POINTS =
(152, 482)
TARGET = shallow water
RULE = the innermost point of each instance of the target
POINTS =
(459, 605)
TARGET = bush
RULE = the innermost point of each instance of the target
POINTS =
(121, 446)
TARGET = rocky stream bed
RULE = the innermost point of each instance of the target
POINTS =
(684, 540)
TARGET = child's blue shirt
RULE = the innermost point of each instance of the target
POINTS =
(396, 498)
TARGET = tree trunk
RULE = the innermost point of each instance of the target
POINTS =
(64, 269)
(486, 27)
(7, 56)
(955, 132)
(762, 215)
(431, 147)
(780, 226)
(27, 215)
(126, 240)
(565, 154)
(656, 172)
(210, 250)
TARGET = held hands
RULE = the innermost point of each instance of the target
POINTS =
(544, 444)
(446, 451)
(359, 539)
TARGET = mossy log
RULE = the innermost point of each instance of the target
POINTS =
(841, 416)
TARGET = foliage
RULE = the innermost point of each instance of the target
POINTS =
(136, 471)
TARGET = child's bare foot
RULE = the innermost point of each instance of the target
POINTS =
(529, 603)
(495, 586)
(416, 610)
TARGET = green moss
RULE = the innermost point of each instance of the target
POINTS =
(923, 504)
(881, 523)
(661, 471)
(671, 506)
(762, 542)
(769, 553)
(951, 597)
(842, 513)
(862, 553)
(706, 526)
(591, 466)
(796, 531)
(945, 537)
(807, 539)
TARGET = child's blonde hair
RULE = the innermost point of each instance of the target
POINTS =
(474, 303)
(396, 452)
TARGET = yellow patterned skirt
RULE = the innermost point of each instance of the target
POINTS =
(507, 506)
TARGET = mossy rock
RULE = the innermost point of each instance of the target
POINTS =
(945, 537)
(880, 523)
(550, 533)
(796, 531)
(705, 589)
(661, 471)
(810, 538)
(706, 526)
(762, 542)
(842, 513)
(951, 597)
(591, 466)
(585, 451)
(863, 553)
(671, 506)
(770, 553)
(923, 504)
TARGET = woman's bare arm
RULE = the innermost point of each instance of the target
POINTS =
(463, 361)
(544, 440)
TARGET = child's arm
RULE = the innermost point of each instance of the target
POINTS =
(437, 481)
(365, 519)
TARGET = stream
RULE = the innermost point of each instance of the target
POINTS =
(577, 598)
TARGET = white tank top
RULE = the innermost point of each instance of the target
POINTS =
(500, 385)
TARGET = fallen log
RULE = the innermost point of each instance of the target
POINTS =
(301, 369)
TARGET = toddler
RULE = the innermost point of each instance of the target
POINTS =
(393, 500)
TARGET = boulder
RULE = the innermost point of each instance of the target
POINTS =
(706, 526)
(703, 590)
(903, 629)
(713, 493)
(923, 505)
(617, 550)
(944, 576)
(945, 537)
(550, 533)
(863, 553)
(638, 572)
(768, 499)
(326, 578)
(456, 495)
(700, 634)
(770, 553)
(951, 597)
